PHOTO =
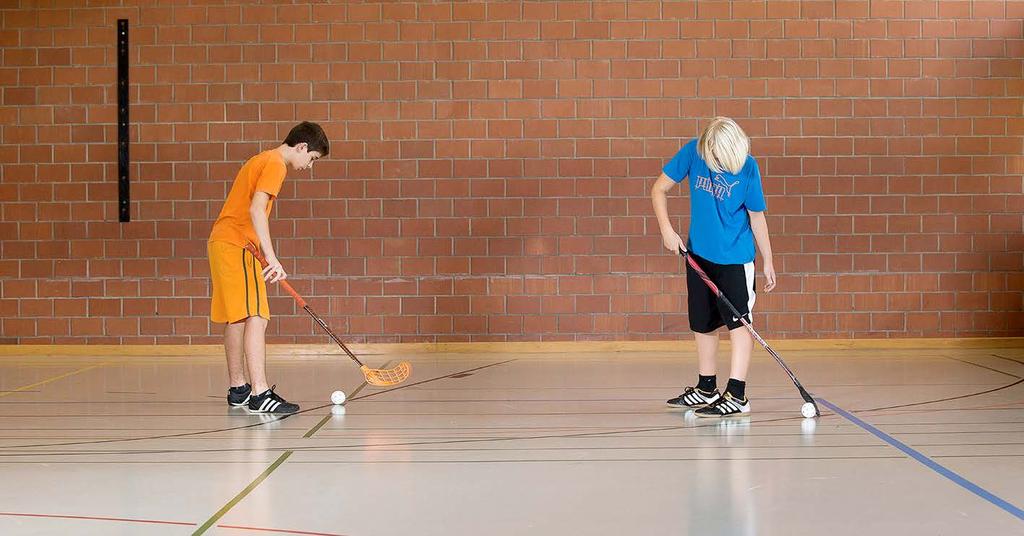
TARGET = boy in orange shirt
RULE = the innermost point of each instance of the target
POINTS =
(239, 286)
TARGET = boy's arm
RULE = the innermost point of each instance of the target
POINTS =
(258, 214)
(659, 196)
(759, 225)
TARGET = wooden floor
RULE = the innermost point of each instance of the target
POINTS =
(912, 441)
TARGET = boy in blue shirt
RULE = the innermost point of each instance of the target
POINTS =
(726, 219)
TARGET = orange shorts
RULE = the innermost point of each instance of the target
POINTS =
(239, 290)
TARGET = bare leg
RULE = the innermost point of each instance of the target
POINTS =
(742, 346)
(233, 349)
(256, 352)
(707, 350)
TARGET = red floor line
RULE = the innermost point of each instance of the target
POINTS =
(280, 530)
(159, 522)
(98, 518)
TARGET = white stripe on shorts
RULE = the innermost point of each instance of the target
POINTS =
(748, 268)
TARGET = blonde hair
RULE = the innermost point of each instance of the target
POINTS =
(724, 145)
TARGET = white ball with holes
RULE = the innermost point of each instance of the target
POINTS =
(338, 398)
(808, 410)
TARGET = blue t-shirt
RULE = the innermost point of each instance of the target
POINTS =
(719, 224)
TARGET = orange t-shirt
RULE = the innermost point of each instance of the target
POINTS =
(264, 172)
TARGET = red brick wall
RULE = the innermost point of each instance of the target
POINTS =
(491, 164)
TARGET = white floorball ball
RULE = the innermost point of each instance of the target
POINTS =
(808, 411)
(338, 397)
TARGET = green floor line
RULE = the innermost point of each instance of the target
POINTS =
(318, 426)
(241, 495)
(263, 476)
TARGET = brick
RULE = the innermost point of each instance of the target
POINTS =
(503, 140)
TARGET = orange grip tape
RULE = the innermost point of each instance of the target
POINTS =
(263, 262)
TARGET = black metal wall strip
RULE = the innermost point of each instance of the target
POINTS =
(123, 192)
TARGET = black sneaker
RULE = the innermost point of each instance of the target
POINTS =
(239, 396)
(693, 398)
(271, 402)
(727, 406)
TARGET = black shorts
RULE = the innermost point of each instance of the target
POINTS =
(707, 312)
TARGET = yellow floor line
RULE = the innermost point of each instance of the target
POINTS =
(48, 380)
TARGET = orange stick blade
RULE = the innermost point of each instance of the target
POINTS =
(387, 377)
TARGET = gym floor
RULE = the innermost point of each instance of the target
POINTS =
(911, 441)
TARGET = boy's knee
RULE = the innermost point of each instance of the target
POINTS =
(256, 321)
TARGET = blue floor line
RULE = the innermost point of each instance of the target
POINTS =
(928, 462)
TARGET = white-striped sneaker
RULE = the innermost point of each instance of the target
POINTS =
(271, 402)
(727, 406)
(693, 398)
(239, 396)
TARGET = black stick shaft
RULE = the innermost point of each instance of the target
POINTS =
(721, 296)
(327, 328)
